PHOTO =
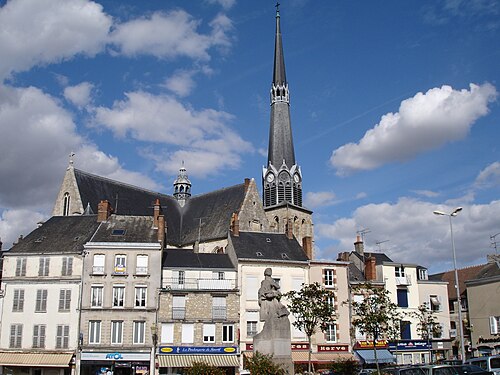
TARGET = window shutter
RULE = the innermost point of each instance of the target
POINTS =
(69, 269)
(44, 300)
(21, 300)
(68, 300)
(61, 299)
(35, 336)
(18, 267)
(42, 336)
(40, 267)
(493, 325)
(66, 337)
(59, 337)
(13, 330)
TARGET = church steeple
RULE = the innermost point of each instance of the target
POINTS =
(182, 186)
(282, 177)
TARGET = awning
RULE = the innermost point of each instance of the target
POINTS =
(383, 356)
(35, 359)
(187, 360)
(303, 356)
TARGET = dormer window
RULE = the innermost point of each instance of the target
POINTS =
(66, 201)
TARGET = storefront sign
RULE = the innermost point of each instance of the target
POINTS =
(295, 346)
(198, 350)
(115, 356)
(410, 345)
(368, 344)
(333, 348)
(493, 339)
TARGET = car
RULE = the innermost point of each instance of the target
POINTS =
(472, 370)
(402, 370)
(439, 370)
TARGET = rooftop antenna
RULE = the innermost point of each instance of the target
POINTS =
(362, 233)
(494, 242)
(378, 243)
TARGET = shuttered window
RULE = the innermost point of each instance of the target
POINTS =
(39, 336)
(18, 301)
(41, 300)
(64, 299)
(67, 266)
(62, 337)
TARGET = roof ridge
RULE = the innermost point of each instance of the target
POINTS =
(217, 191)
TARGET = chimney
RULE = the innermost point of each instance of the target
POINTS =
(307, 246)
(196, 247)
(289, 229)
(156, 213)
(358, 245)
(370, 270)
(104, 211)
(247, 184)
(161, 230)
(235, 224)
(343, 257)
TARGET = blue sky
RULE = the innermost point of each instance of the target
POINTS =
(394, 109)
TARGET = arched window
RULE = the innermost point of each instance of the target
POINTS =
(66, 202)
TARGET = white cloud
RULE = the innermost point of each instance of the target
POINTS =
(319, 199)
(34, 32)
(489, 176)
(181, 82)
(424, 122)
(204, 136)
(16, 222)
(226, 4)
(415, 234)
(79, 95)
(426, 193)
(169, 35)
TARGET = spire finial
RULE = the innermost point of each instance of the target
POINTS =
(277, 9)
(71, 159)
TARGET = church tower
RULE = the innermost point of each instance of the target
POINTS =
(182, 186)
(282, 177)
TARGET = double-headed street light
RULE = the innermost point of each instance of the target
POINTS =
(457, 287)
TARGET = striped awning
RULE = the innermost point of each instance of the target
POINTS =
(187, 360)
(35, 359)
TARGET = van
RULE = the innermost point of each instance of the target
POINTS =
(490, 363)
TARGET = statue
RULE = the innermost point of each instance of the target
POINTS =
(275, 337)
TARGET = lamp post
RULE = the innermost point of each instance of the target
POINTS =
(457, 287)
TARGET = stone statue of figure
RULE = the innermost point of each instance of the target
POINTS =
(275, 337)
(269, 298)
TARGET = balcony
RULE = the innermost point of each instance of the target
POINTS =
(403, 280)
(199, 284)
(219, 312)
(141, 270)
(97, 270)
(178, 312)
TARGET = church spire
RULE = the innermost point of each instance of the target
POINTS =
(182, 186)
(282, 178)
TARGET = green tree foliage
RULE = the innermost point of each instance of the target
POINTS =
(345, 366)
(201, 368)
(262, 364)
(427, 326)
(313, 308)
(376, 315)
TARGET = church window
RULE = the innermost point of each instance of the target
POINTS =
(66, 201)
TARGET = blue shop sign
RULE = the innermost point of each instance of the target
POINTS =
(410, 345)
(198, 350)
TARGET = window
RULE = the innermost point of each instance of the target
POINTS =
(329, 277)
(118, 296)
(208, 333)
(167, 333)
(219, 275)
(438, 331)
(435, 303)
(402, 297)
(494, 325)
(21, 267)
(178, 307)
(41, 300)
(16, 335)
(96, 296)
(331, 333)
(331, 301)
(142, 265)
(67, 266)
(227, 333)
(18, 301)
(422, 274)
(39, 336)
(62, 337)
(399, 271)
(187, 336)
(98, 265)
(252, 288)
(94, 332)
(117, 332)
(66, 201)
(252, 320)
(405, 329)
(140, 296)
(64, 299)
(139, 332)
(43, 268)
(219, 308)
(120, 264)
(181, 277)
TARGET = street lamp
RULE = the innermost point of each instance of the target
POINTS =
(457, 287)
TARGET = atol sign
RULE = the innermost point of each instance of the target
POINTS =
(198, 350)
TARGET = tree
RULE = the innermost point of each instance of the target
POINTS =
(262, 364)
(201, 368)
(376, 315)
(313, 308)
(427, 325)
(345, 367)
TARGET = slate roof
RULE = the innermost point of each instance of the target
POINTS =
(380, 258)
(489, 270)
(355, 273)
(59, 234)
(175, 258)
(464, 274)
(267, 246)
(121, 228)
(183, 223)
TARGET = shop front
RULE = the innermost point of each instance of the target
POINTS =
(411, 352)
(177, 359)
(19, 363)
(365, 353)
(486, 346)
(115, 363)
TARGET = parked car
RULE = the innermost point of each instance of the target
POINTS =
(403, 370)
(439, 370)
(472, 370)
(489, 363)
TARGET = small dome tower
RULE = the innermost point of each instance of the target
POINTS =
(182, 186)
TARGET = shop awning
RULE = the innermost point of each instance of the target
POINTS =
(187, 360)
(37, 359)
(383, 356)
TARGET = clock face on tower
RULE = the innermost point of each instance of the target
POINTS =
(270, 177)
(296, 177)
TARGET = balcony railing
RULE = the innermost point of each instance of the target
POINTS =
(98, 270)
(403, 280)
(141, 270)
(219, 312)
(199, 284)
(178, 312)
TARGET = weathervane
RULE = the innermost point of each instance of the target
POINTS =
(71, 160)
(277, 7)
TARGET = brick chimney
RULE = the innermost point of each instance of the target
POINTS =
(235, 224)
(161, 230)
(370, 270)
(359, 246)
(247, 184)
(307, 246)
(156, 213)
(104, 211)
(289, 229)
(343, 256)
